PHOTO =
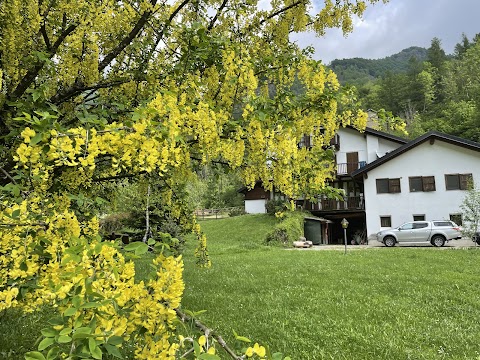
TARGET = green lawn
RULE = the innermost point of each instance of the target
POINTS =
(400, 303)
(396, 303)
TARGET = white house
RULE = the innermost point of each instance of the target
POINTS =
(388, 181)
(354, 150)
(424, 179)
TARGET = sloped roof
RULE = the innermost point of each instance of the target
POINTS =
(430, 136)
(383, 135)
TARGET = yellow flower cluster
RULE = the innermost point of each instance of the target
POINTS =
(256, 350)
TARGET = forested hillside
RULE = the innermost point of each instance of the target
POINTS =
(431, 92)
(358, 71)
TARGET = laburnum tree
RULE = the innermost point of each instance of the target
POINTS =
(99, 90)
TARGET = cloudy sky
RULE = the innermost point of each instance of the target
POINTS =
(386, 29)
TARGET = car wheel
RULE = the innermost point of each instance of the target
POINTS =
(438, 241)
(389, 241)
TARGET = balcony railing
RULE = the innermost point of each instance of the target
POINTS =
(348, 168)
(349, 203)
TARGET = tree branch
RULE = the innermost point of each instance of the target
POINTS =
(43, 31)
(208, 332)
(7, 175)
(215, 18)
(32, 73)
(79, 88)
(126, 40)
(42, 224)
(118, 177)
(276, 13)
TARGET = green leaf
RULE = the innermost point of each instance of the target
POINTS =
(82, 333)
(97, 353)
(115, 340)
(34, 355)
(49, 332)
(196, 347)
(76, 301)
(90, 305)
(15, 214)
(138, 247)
(36, 94)
(200, 312)
(63, 339)
(206, 356)
(65, 331)
(113, 350)
(70, 311)
(45, 343)
(92, 344)
(57, 320)
(53, 353)
(241, 338)
(36, 139)
(151, 241)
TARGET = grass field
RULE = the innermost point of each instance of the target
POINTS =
(398, 303)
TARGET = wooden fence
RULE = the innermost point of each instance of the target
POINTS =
(216, 213)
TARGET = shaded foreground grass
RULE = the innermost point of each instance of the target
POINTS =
(400, 303)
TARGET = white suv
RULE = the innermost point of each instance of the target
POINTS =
(437, 232)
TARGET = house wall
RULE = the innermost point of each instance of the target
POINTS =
(423, 160)
(351, 141)
(255, 206)
(385, 146)
(369, 147)
(257, 193)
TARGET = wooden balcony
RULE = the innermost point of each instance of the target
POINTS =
(349, 203)
(348, 168)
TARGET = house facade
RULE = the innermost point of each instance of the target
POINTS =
(256, 199)
(354, 151)
(425, 179)
(388, 181)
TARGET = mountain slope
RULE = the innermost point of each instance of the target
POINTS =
(358, 71)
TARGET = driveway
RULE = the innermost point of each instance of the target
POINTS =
(453, 244)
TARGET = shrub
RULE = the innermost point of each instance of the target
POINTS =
(236, 212)
(290, 229)
(113, 223)
(276, 206)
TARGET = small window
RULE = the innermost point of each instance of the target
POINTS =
(457, 219)
(394, 185)
(385, 221)
(382, 186)
(428, 183)
(418, 217)
(422, 183)
(421, 225)
(415, 184)
(458, 181)
(388, 186)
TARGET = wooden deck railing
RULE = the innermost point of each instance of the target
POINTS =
(348, 168)
(349, 203)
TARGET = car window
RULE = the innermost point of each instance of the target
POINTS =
(420, 225)
(407, 226)
(442, 223)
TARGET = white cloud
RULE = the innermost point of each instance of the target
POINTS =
(389, 28)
